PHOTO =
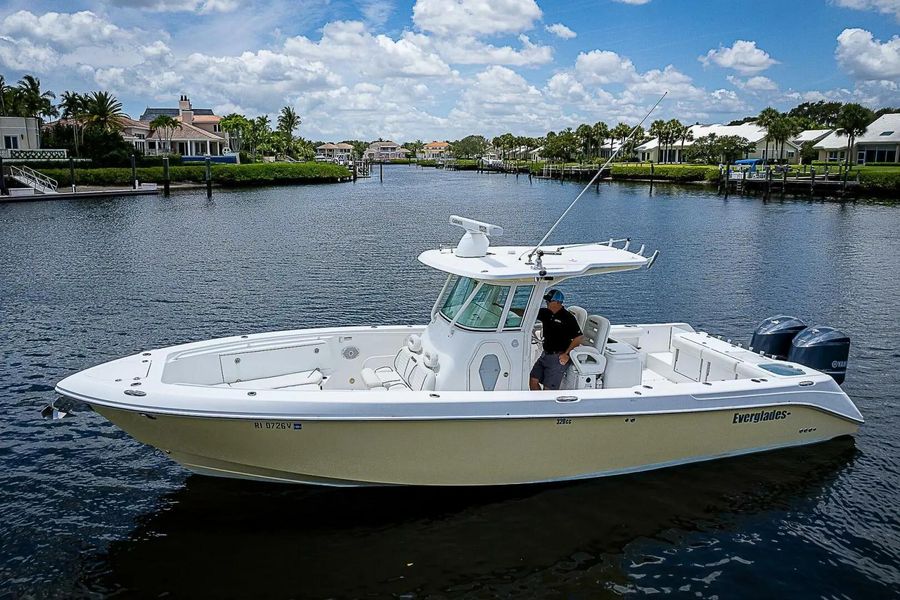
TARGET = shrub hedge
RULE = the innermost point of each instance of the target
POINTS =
(880, 179)
(667, 172)
(226, 175)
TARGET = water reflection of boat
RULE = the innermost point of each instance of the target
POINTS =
(448, 403)
(242, 539)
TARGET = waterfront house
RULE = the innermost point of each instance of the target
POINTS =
(384, 150)
(341, 153)
(676, 152)
(435, 150)
(879, 144)
(881, 141)
(199, 131)
(19, 133)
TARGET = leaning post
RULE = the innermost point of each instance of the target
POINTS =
(381, 171)
(208, 178)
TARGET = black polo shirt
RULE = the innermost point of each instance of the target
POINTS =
(559, 329)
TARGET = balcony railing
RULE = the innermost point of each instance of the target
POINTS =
(32, 154)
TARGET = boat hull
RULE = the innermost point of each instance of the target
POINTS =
(472, 452)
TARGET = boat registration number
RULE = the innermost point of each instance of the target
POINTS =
(277, 425)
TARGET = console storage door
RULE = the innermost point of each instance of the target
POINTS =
(489, 368)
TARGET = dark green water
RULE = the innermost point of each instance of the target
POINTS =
(87, 511)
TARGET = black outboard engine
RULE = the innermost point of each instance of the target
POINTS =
(774, 335)
(824, 349)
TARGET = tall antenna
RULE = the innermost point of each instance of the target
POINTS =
(593, 179)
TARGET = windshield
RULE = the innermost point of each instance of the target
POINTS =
(485, 309)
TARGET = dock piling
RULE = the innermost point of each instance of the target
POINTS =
(133, 172)
(208, 178)
(165, 162)
(72, 173)
(2, 178)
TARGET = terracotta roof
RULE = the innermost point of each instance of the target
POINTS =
(437, 145)
(206, 119)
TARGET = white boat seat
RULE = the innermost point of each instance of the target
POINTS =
(596, 332)
(404, 362)
(580, 315)
(300, 380)
(410, 372)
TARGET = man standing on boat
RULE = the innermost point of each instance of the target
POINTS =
(561, 336)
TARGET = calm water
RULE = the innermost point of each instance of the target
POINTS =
(87, 511)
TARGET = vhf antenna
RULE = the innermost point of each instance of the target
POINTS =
(593, 179)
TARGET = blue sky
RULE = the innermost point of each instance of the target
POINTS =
(440, 69)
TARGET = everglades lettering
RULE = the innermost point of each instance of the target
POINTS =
(759, 417)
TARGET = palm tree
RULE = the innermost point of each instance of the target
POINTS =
(686, 135)
(237, 127)
(167, 125)
(3, 92)
(102, 111)
(853, 121)
(658, 130)
(72, 105)
(620, 132)
(767, 117)
(600, 131)
(584, 134)
(288, 121)
(35, 103)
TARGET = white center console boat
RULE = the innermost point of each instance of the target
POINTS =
(447, 403)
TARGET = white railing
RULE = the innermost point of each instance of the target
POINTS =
(34, 154)
(33, 179)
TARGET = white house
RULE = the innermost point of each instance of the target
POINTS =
(341, 153)
(650, 151)
(198, 133)
(379, 151)
(880, 143)
(19, 133)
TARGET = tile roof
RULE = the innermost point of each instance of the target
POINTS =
(152, 113)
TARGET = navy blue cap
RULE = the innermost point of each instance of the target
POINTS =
(554, 296)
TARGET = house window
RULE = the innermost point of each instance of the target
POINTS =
(10, 142)
(790, 154)
(217, 128)
(886, 133)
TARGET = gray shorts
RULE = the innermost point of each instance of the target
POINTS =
(548, 371)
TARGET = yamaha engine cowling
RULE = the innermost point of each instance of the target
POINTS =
(774, 335)
(824, 349)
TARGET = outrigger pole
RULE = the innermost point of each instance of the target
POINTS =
(593, 179)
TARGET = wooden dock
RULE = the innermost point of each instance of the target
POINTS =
(104, 193)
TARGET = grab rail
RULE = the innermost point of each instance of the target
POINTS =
(35, 178)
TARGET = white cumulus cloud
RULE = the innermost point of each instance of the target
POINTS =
(475, 17)
(743, 56)
(866, 58)
(560, 30)
(758, 83)
(887, 7)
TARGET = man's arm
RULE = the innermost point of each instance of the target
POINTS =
(564, 357)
